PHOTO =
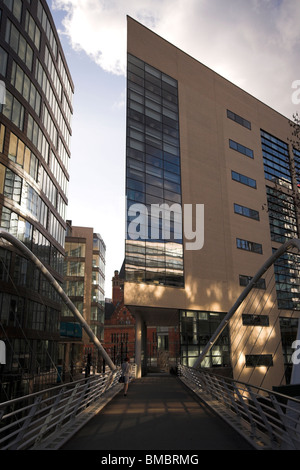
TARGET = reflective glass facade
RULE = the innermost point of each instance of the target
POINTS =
(35, 129)
(287, 275)
(84, 279)
(278, 167)
(276, 160)
(154, 252)
(78, 271)
(282, 215)
(196, 330)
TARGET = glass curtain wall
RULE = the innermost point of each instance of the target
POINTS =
(196, 329)
(154, 249)
(278, 167)
(35, 129)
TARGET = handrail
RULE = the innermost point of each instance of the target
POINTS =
(267, 419)
(31, 421)
(48, 418)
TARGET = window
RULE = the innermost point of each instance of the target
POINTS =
(241, 148)
(75, 249)
(5, 261)
(296, 153)
(3, 62)
(243, 179)
(196, 328)
(276, 160)
(11, 310)
(45, 84)
(32, 30)
(36, 316)
(21, 271)
(48, 186)
(50, 126)
(74, 288)
(246, 212)
(15, 7)
(259, 360)
(255, 320)
(2, 135)
(22, 155)
(74, 268)
(287, 277)
(23, 85)
(56, 229)
(12, 185)
(19, 44)
(13, 110)
(282, 215)
(153, 173)
(41, 247)
(65, 80)
(58, 172)
(35, 134)
(238, 119)
(249, 246)
(46, 25)
(16, 225)
(245, 280)
(53, 72)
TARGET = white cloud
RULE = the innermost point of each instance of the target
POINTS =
(254, 44)
(98, 27)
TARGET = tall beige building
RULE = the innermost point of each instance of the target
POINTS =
(196, 141)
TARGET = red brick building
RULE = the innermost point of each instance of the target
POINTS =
(163, 343)
(119, 325)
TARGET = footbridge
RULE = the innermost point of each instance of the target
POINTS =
(193, 409)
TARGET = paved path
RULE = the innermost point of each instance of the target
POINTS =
(159, 413)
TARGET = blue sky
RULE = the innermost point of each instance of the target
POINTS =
(253, 43)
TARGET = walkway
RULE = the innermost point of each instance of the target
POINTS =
(159, 413)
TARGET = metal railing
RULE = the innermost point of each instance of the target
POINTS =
(48, 418)
(268, 420)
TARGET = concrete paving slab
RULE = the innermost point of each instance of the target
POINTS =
(159, 413)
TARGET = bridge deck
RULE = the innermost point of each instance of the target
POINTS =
(159, 413)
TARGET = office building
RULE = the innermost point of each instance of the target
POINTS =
(221, 163)
(84, 279)
(35, 132)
